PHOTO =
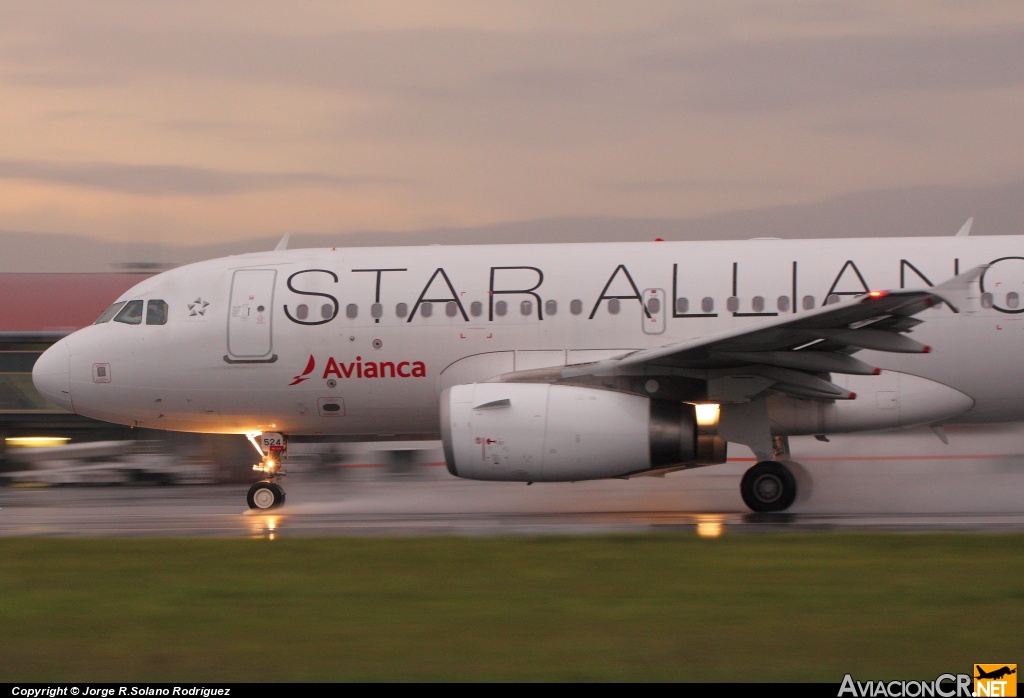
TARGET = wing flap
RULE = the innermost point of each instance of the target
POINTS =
(816, 361)
(879, 340)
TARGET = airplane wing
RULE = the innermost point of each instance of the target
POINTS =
(788, 355)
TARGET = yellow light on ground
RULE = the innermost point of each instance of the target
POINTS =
(710, 527)
(264, 526)
(707, 415)
(35, 441)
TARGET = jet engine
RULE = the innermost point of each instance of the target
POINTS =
(531, 432)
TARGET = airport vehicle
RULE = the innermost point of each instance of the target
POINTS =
(563, 362)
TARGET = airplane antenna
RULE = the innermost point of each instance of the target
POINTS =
(283, 245)
(966, 230)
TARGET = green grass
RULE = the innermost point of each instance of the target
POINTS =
(644, 607)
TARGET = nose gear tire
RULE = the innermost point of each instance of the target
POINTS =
(265, 495)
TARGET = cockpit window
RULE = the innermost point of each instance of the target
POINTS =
(156, 313)
(131, 313)
(109, 313)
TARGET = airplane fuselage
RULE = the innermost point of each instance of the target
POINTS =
(361, 341)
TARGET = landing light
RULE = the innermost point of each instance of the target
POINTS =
(35, 441)
(267, 466)
(878, 294)
(707, 414)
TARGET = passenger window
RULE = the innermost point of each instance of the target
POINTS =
(401, 310)
(1012, 299)
(156, 313)
(302, 312)
(757, 304)
(653, 306)
(451, 308)
(500, 308)
(327, 311)
(732, 304)
(109, 313)
(351, 311)
(614, 306)
(526, 307)
(476, 308)
(682, 306)
(131, 313)
(808, 302)
(576, 307)
(427, 309)
(551, 307)
(708, 304)
(783, 304)
(832, 298)
(376, 311)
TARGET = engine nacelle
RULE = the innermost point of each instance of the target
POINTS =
(531, 432)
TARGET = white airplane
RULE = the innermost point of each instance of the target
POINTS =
(563, 362)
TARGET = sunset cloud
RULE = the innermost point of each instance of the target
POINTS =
(230, 121)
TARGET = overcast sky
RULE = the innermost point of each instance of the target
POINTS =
(208, 123)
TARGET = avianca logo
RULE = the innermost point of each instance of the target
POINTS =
(304, 376)
(363, 369)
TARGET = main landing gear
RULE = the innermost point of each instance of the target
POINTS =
(267, 494)
(769, 486)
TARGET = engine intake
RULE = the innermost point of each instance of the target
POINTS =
(530, 432)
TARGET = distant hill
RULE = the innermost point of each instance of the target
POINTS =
(917, 211)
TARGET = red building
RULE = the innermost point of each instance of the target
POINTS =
(35, 311)
(57, 303)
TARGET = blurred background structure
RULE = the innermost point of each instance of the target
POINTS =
(46, 445)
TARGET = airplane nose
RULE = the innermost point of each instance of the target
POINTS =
(51, 376)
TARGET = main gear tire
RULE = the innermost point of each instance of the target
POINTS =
(769, 486)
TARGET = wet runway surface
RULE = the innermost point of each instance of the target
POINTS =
(430, 502)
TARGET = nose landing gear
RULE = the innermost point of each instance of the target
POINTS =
(267, 493)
